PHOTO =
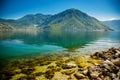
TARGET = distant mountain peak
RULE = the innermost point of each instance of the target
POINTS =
(74, 12)
(72, 9)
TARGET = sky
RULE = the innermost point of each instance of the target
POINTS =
(100, 9)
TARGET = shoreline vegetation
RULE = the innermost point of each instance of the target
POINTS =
(103, 65)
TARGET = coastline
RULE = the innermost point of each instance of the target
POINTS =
(103, 65)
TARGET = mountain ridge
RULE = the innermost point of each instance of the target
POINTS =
(74, 19)
(114, 24)
(70, 19)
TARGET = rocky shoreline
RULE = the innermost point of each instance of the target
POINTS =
(104, 65)
(109, 69)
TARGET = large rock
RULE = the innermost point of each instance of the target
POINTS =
(108, 62)
(94, 75)
(116, 61)
(79, 75)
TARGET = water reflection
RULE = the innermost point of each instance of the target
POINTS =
(67, 40)
(27, 42)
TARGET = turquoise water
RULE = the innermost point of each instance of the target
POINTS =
(14, 44)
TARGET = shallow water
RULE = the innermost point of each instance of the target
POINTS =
(23, 43)
(111, 39)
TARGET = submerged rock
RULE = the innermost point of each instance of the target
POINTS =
(79, 75)
(68, 71)
(49, 74)
(60, 76)
(45, 63)
(69, 65)
(27, 70)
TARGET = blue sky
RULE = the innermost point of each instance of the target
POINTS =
(100, 9)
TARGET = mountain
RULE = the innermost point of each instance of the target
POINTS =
(73, 19)
(6, 24)
(114, 24)
(26, 21)
(70, 19)
(36, 19)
